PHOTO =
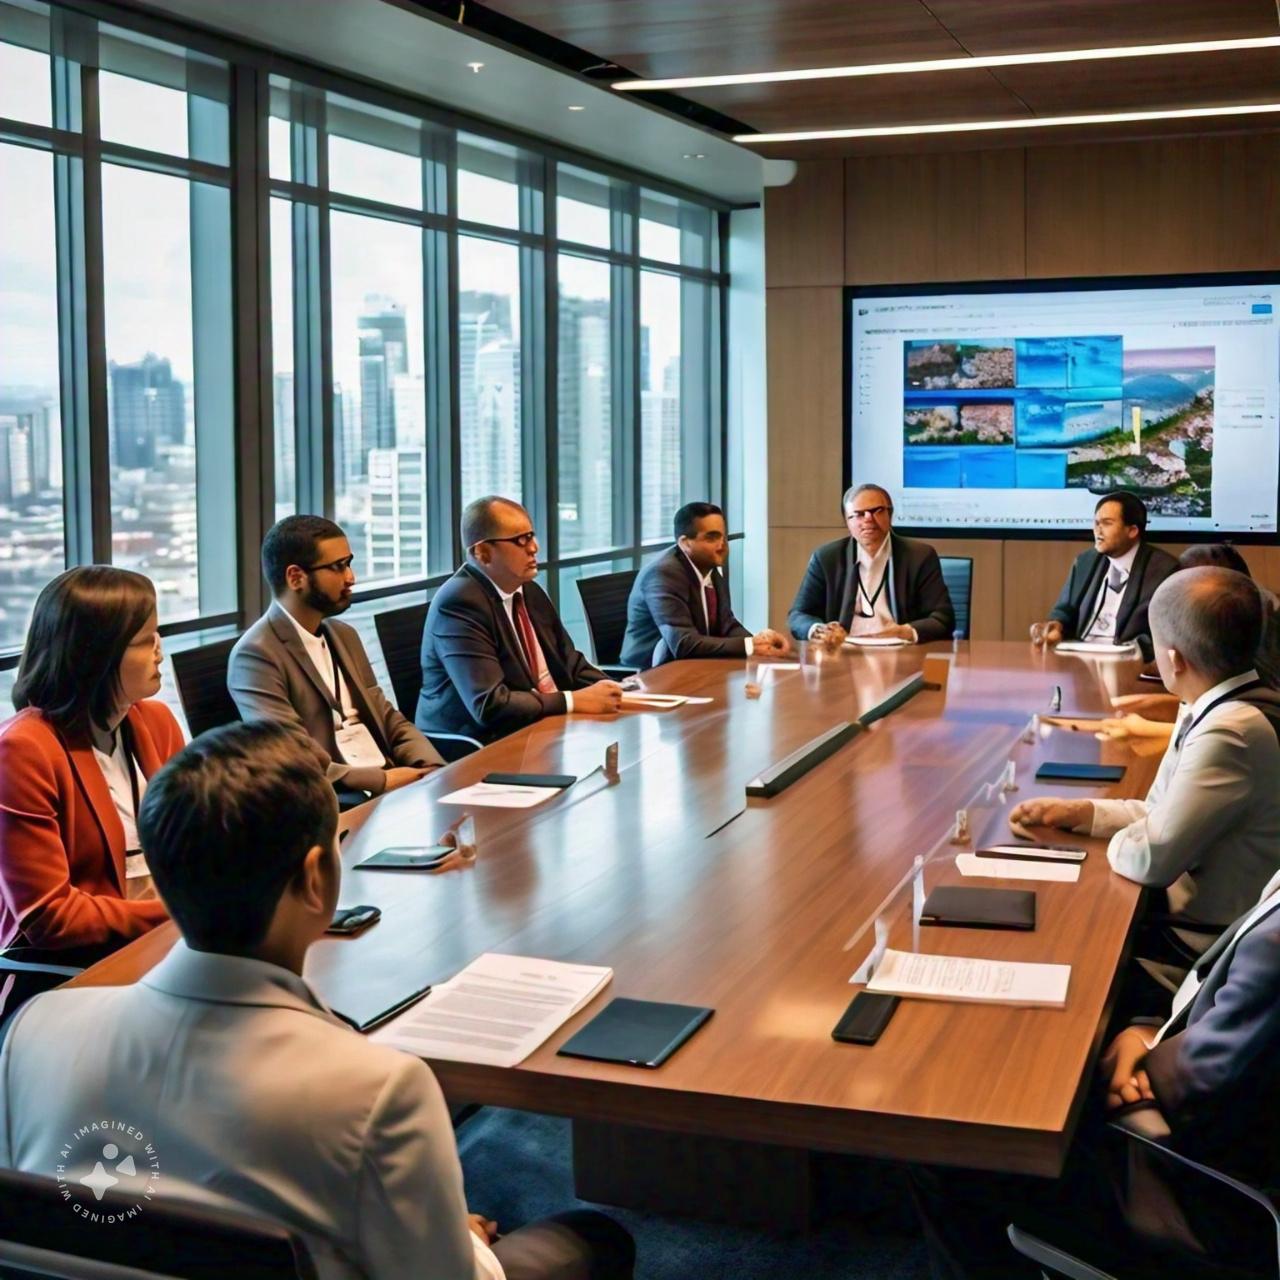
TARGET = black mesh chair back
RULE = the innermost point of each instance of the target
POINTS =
(202, 685)
(604, 601)
(957, 573)
(400, 635)
(42, 1235)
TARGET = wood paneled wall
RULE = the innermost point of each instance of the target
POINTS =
(1208, 203)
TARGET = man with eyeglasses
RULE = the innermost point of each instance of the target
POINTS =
(299, 666)
(679, 606)
(874, 583)
(495, 655)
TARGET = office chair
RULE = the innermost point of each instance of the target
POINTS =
(1168, 1258)
(604, 602)
(957, 573)
(202, 685)
(400, 635)
(25, 972)
(41, 1235)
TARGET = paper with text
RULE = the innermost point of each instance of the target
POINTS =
(906, 973)
(497, 1011)
(500, 795)
(1017, 869)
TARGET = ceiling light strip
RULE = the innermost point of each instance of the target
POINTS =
(950, 64)
(1018, 122)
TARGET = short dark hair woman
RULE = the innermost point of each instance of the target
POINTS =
(74, 764)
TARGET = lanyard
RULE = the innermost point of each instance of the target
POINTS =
(339, 716)
(1102, 595)
(1230, 695)
(862, 591)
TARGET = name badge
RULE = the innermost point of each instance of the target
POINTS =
(357, 748)
(135, 866)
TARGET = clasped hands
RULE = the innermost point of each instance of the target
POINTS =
(831, 635)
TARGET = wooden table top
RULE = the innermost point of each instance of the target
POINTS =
(692, 893)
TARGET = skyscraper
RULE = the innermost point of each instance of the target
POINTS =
(586, 427)
(384, 353)
(489, 383)
(148, 408)
(395, 544)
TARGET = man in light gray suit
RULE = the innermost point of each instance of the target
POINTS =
(298, 666)
(1208, 832)
(220, 1078)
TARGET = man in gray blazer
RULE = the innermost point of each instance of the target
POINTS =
(220, 1078)
(299, 666)
(874, 583)
(1208, 832)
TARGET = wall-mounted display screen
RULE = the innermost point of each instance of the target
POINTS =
(1010, 407)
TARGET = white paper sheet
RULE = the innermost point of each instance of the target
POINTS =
(495, 795)
(766, 667)
(1097, 649)
(906, 973)
(1017, 869)
(699, 702)
(497, 1011)
(876, 642)
(652, 701)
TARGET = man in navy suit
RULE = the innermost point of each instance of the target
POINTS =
(679, 605)
(495, 655)
(1203, 1081)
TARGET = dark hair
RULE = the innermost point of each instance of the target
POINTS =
(1132, 508)
(686, 519)
(226, 825)
(478, 522)
(1212, 616)
(854, 489)
(1221, 554)
(83, 622)
(293, 540)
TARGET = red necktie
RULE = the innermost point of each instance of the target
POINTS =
(709, 595)
(536, 663)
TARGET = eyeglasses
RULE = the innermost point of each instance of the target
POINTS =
(520, 539)
(870, 513)
(334, 566)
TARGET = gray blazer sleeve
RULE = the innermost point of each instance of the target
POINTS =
(257, 686)
(1065, 608)
(810, 602)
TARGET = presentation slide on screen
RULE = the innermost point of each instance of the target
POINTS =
(1016, 410)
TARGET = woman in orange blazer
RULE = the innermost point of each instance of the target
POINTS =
(75, 759)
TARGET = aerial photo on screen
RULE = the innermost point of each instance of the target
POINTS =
(1078, 412)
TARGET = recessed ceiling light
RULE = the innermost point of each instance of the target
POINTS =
(577, 108)
(475, 66)
(1017, 122)
(951, 64)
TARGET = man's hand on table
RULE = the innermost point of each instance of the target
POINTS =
(1125, 1080)
(1052, 811)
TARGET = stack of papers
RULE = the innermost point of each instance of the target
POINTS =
(497, 1011)
(1017, 868)
(906, 973)
(876, 642)
(500, 795)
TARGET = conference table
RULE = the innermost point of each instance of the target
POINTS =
(763, 908)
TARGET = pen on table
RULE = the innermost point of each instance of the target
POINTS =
(1055, 703)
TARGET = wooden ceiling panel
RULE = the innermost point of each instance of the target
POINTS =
(658, 38)
(1020, 26)
(833, 104)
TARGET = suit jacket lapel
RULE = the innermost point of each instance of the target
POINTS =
(845, 584)
(696, 603)
(97, 795)
(899, 557)
(1133, 589)
(1093, 584)
(502, 623)
(288, 636)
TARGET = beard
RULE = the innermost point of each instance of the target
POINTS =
(324, 605)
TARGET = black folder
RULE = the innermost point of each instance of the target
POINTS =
(558, 780)
(639, 1033)
(958, 906)
(1073, 771)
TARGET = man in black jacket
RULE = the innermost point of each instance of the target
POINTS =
(873, 583)
(1203, 1082)
(679, 606)
(495, 655)
(1106, 594)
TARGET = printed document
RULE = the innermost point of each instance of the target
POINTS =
(1017, 869)
(497, 1011)
(906, 973)
(500, 795)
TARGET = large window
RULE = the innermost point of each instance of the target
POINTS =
(229, 293)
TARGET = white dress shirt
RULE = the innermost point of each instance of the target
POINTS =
(507, 598)
(116, 768)
(706, 581)
(1106, 608)
(321, 656)
(1209, 829)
